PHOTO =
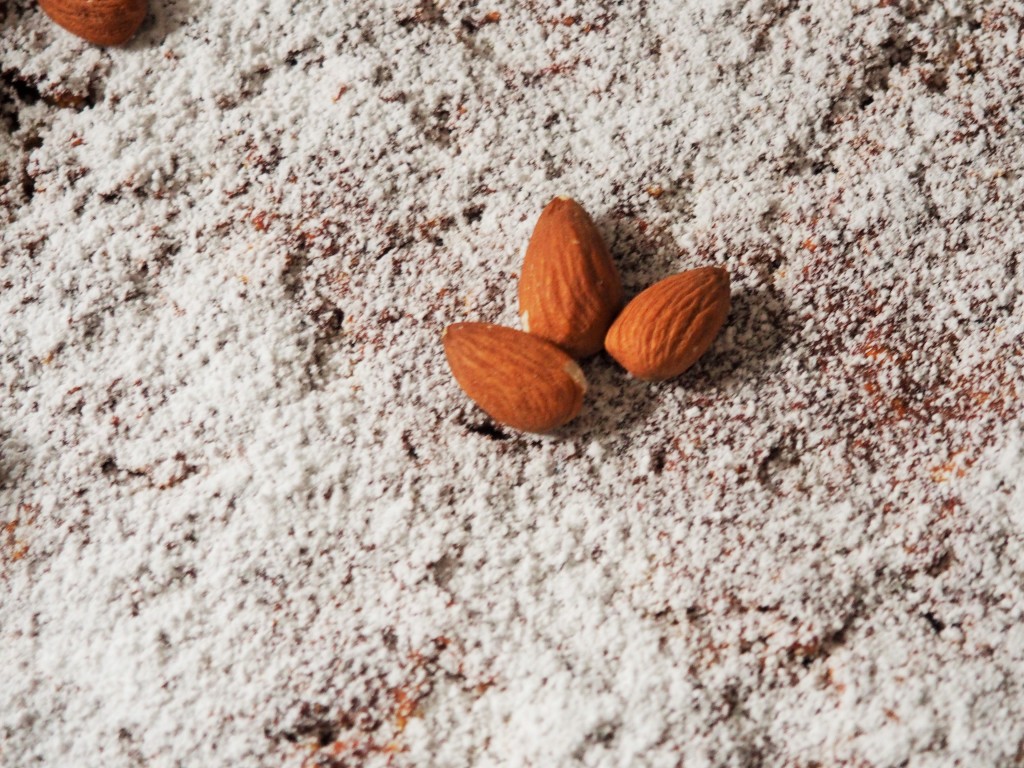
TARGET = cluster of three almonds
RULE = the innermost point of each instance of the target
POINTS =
(570, 295)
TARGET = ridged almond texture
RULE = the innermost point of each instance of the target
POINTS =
(102, 22)
(569, 289)
(667, 327)
(520, 380)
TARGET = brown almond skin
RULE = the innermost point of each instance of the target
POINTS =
(569, 289)
(520, 380)
(102, 22)
(666, 328)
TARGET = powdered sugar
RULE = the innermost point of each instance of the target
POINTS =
(249, 519)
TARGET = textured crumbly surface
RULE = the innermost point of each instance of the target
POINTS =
(247, 518)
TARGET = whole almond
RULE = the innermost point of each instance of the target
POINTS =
(569, 290)
(665, 328)
(103, 22)
(520, 380)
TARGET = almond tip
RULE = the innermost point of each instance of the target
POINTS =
(576, 374)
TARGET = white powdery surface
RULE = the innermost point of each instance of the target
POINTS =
(247, 518)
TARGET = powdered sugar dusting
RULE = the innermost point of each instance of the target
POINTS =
(246, 516)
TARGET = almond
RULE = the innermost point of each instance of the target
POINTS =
(667, 327)
(520, 380)
(103, 22)
(569, 290)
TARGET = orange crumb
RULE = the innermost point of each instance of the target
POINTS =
(874, 350)
(943, 472)
(405, 707)
(259, 220)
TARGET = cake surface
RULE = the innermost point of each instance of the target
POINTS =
(248, 518)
